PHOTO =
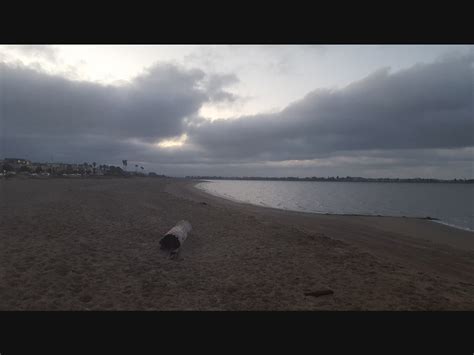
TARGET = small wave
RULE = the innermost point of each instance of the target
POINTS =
(453, 225)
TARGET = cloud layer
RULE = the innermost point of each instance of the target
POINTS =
(426, 106)
(48, 115)
(385, 117)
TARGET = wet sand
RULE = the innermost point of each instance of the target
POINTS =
(93, 244)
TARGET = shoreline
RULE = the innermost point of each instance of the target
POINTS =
(428, 218)
(435, 220)
(460, 237)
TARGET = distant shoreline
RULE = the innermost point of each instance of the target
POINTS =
(346, 179)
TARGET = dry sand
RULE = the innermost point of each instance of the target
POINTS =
(79, 244)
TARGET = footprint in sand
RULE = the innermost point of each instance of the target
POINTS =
(85, 298)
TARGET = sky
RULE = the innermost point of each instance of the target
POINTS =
(243, 110)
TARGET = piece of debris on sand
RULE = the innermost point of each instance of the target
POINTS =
(319, 293)
(174, 239)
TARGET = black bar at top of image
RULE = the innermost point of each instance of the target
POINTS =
(287, 23)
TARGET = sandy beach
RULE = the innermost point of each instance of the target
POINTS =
(93, 244)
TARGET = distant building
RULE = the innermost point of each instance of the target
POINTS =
(17, 163)
(41, 167)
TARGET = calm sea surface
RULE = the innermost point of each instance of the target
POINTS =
(453, 204)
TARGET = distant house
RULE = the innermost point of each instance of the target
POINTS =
(17, 163)
(41, 167)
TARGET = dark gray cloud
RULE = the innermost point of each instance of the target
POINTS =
(44, 116)
(151, 107)
(426, 106)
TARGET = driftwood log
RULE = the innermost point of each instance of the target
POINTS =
(174, 239)
(319, 293)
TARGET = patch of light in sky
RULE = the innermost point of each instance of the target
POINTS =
(173, 143)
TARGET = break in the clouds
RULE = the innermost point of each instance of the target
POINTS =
(415, 121)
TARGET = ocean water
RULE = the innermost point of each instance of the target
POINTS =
(452, 204)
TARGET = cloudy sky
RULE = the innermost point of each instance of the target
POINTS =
(373, 111)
